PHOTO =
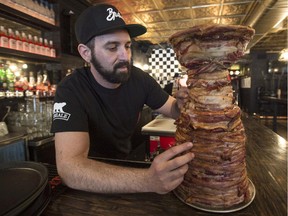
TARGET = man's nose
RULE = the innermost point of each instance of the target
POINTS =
(124, 54)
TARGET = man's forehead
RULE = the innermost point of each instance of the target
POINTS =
(120, 35)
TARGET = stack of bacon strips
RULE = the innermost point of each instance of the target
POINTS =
(217, 175)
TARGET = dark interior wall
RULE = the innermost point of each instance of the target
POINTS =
(69, 10)
(263, 79)
(258, 67)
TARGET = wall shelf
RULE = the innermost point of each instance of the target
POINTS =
(24, 18)
(16, 54)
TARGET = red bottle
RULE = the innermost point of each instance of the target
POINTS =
(19, 42)
(3, 37)
(25, 42)
(31, 44)
(52, 49)
(11, 39)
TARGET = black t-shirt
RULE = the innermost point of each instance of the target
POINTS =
(109, 115)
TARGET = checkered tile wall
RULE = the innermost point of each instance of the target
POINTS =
(163, 65)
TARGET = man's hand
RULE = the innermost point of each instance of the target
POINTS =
(167, 169)
(181, 96)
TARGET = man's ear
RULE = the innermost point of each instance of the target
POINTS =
(85, 52)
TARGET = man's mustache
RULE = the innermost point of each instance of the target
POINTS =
(121, 64)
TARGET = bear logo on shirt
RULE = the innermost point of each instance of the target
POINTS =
(58, 107)
(59, 113)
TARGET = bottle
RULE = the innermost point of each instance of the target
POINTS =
(19, 42)
(37, 7)
(52, 12)
(45, 9)
(4, 87)
(25, 42)
(21, 84)
(42, 8)
(25, 3)
(18, 84)
(2, 80)
(47, 48)
(3, 37)
(42, 47)
(52, 49)
(31, 81)
(10, 80)
(39, 82)
(11, 39)
(37, 46)
(46, 82)
(31, 44)
(25, 81)
(18, 87)
(33, 5)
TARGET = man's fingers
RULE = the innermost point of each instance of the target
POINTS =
(180, 161)
(174, 151)
(169, 167)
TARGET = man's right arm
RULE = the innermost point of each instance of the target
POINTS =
(79, 172)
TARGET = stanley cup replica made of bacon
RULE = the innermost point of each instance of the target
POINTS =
(217, 176)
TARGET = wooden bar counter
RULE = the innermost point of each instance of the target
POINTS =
(266, 165)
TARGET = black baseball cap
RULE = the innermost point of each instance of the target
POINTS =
(100, 19)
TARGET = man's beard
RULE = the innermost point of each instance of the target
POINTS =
(112, 76)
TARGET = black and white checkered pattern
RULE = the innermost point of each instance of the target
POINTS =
(164, 65)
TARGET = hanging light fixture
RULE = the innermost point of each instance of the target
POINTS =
(283, 55)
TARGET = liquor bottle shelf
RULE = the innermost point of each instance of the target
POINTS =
(24, 18)
(10, 53)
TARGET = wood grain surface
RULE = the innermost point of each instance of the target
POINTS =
(266, 165)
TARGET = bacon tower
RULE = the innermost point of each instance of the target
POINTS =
(217, 175)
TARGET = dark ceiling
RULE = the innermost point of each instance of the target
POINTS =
(165, 17)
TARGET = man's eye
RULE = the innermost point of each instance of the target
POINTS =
(112, 48)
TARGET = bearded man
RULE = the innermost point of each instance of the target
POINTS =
(102, 107)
